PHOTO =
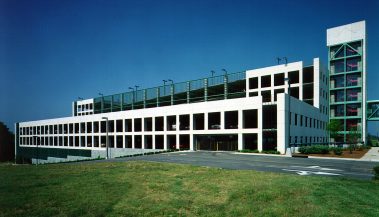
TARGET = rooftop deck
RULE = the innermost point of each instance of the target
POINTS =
(228, 86)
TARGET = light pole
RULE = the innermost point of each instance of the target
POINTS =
(224, 70)
(80, 98)
(213, 72)
(164, 87)
(278, 59)
(107, 137)
(289, 111)
(131, 88)
(102, 102)
(36, 139)
(285, 60)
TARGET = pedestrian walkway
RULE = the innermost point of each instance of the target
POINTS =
(371, 155)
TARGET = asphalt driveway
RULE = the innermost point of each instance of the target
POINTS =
(232, 160)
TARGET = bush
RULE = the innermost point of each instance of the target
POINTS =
(362, 147)
(270, 152)
(376, 172)
(249, 151)
(337, 150)
(314, 149)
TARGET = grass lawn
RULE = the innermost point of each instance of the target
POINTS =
(163, 189)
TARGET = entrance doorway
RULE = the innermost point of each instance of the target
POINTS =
(217, 142)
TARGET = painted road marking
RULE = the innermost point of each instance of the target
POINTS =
(305, 173)
(317, 167)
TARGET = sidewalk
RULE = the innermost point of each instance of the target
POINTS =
(371, 155)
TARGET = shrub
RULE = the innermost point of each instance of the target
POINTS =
(362, 147)
(249, 151)
(270, 152)
(376, 172)
(314, 149)
(337, 150)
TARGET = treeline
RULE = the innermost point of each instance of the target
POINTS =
(6, 143)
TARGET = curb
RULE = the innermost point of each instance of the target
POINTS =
(257, 154)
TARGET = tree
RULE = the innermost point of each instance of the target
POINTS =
(6, 143)
(353, 137)
(333, 127)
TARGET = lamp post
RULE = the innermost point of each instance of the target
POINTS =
(36, 139)
(285, 60)
(289, 111)
(278, 59)
(80, 98)
(213, 72)
(131, 88)
(102, 102)
(164, 87)
(107, 137)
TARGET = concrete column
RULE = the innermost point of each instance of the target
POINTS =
(158, 93)
(165, 141)
(177, 141)
(153, 141)
(240, 119)
(260, 128)
(222, 120)
(192, 145)
(177, 132)
(240, 141)
(205, 121)
(165, 132)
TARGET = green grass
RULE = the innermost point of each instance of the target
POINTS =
(162, 189)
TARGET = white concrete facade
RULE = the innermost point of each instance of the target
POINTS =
(351, 33)
(159, 131)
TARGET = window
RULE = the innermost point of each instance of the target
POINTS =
(171, 123)
(276, 92)
(128, 125)
(250, 118)
(148, 124)
(184, 121)
(198, 121)
(158, 123)
(295, 119)
(119, 126)
(266, 81)
(253, 83)
(279, 79)
(214, 120)
(231, 120)
(266, 96)
(137, 125)
(294, 77)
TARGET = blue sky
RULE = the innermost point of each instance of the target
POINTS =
(52, 52)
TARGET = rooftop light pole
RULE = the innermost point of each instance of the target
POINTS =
(102, 102)
(278, 59)
(213, 72)
(107, 137)
(289, 111)
(224, 70)
(80, 98)
(164, 87)
(131, 88)
(285, 59)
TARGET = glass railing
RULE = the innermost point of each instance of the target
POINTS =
(177, 93)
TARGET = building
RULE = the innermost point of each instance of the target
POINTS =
(347, 75)
(269, 108)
